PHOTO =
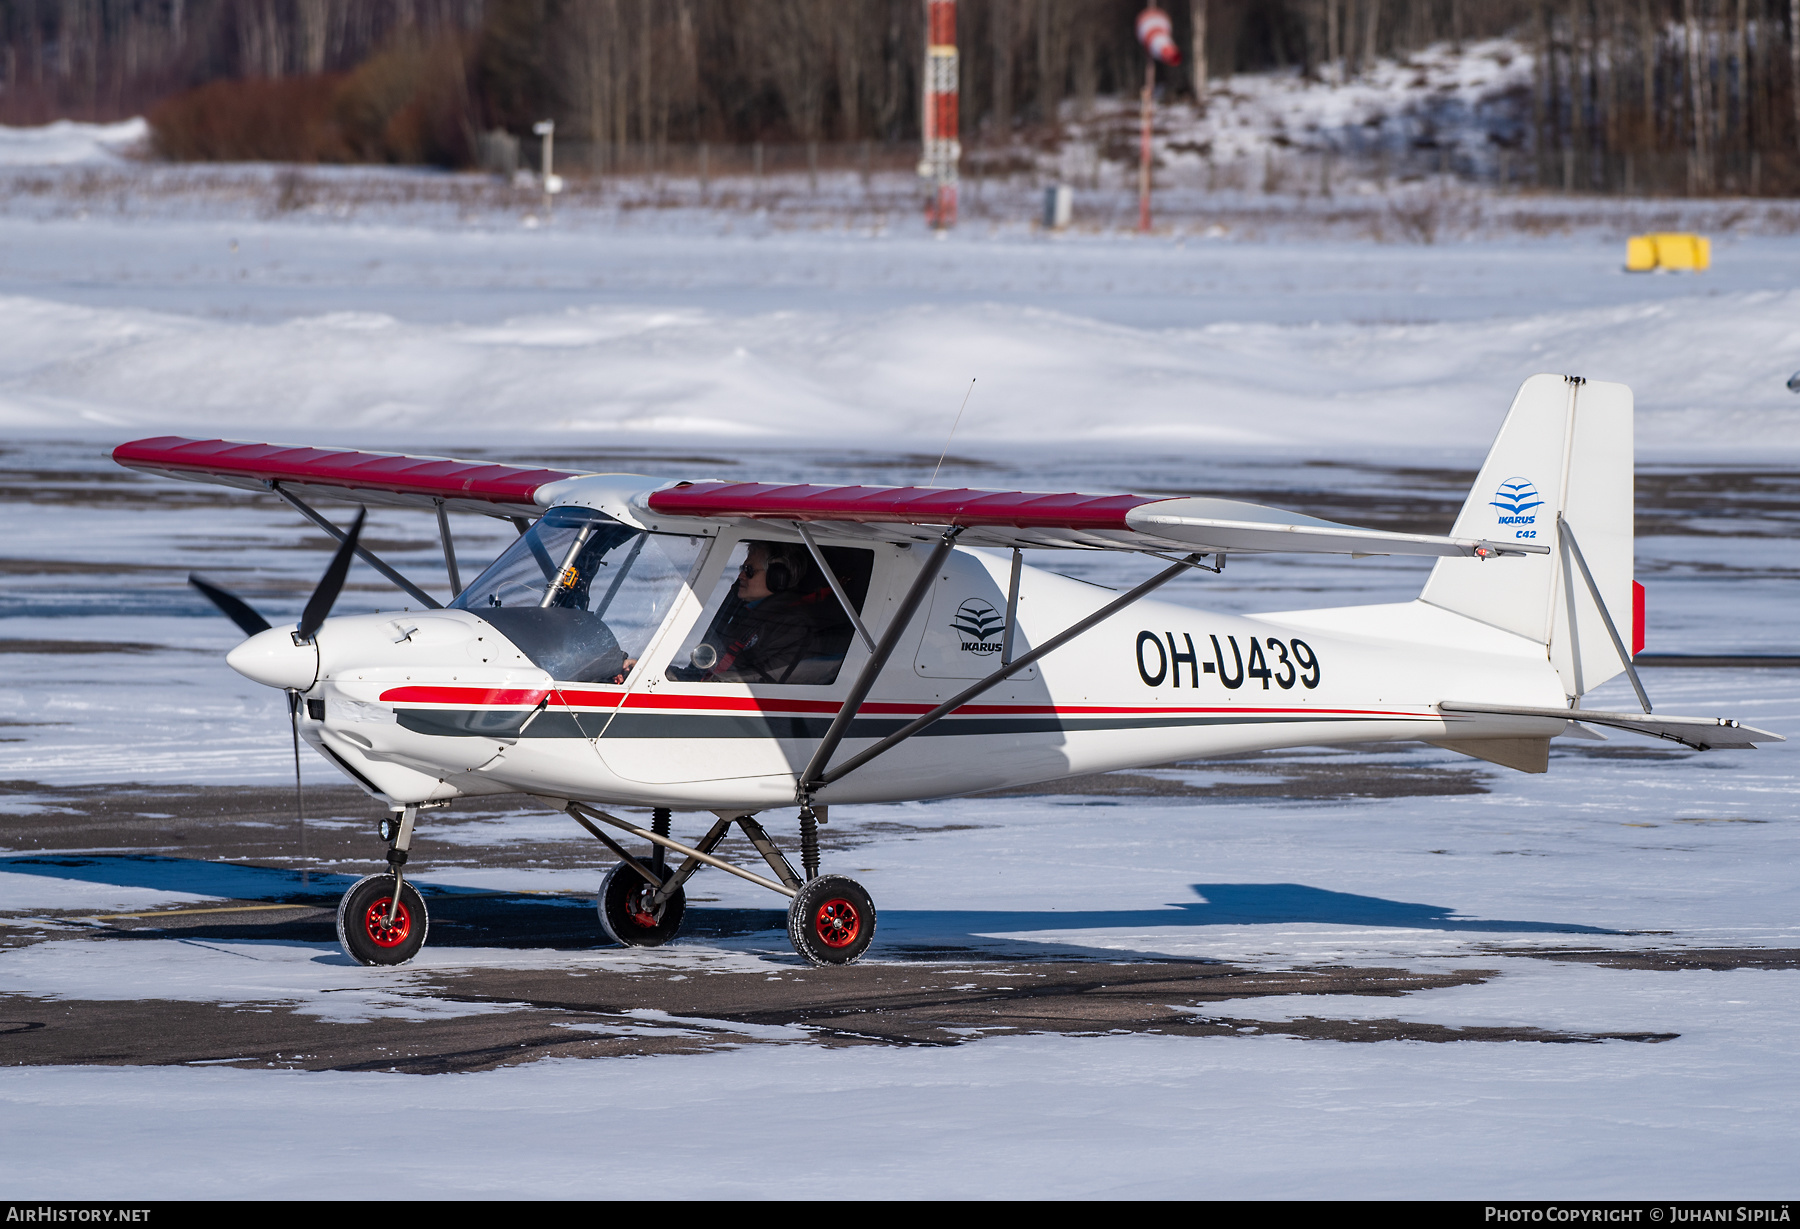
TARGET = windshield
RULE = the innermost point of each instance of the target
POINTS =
(581, 594)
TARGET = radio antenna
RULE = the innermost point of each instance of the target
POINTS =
(952, 435)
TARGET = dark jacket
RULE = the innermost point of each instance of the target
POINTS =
(792, 637)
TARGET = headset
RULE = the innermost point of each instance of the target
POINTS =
(785, 566)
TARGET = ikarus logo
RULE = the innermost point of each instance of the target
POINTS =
(1517, 499)
(980, 625)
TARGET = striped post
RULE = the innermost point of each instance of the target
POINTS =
(942, 148)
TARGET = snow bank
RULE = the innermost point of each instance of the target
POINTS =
(66, 143)
(1708, 373)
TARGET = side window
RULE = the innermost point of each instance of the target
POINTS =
(773, 618)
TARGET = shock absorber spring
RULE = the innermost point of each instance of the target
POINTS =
(809, 843)
(659, 824)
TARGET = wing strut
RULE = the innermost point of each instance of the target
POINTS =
(1012, 608)
(814, 780)
(859, 691)
(1568, 536)
(300, 506)
(456, 585)
(837, 586)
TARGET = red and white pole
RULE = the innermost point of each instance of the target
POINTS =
(1144, 147)
(941, 128)
(1157, 35)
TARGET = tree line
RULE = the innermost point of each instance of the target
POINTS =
(1707, 81)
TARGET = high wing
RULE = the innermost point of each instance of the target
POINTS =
(903, 514)
(339, 473)
(1028, 518)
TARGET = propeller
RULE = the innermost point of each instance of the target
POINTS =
(293, 699)
(317, 610)
(318, 606)
(234, 607)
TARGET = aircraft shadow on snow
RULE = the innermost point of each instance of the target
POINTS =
(1219, 904)
(482, 920)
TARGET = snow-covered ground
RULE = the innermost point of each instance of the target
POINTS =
(137, 325)
(677, 344)
(72, 143)
(1133, 1117)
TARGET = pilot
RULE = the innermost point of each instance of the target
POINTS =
(782, 623)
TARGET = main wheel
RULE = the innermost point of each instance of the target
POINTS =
(832, 920)
(362, 922)
(629, 915)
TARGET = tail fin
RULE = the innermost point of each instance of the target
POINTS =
(1563, 458)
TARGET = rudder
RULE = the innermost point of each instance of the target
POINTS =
(1564, 457)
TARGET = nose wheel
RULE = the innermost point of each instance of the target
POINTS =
(374, 930)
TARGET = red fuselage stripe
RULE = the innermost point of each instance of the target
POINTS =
(467, 697)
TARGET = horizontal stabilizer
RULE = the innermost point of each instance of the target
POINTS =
(1701, 733)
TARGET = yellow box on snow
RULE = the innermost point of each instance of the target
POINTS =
(1668, 250)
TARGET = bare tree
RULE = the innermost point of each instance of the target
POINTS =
(1197, 14)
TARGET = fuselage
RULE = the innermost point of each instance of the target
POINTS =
(428, 705)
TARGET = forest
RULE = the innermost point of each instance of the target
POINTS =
(1618, 85)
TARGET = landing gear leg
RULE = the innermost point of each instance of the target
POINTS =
(831, 919)
(382, 919)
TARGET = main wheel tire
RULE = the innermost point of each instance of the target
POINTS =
(362, 922)
(627, 914)
(832, 920)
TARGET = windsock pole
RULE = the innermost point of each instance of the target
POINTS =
(1157, 36)
(1144, 148)
(941, 127)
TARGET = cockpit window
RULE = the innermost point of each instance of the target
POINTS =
(581, 594)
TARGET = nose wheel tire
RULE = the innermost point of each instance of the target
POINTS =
(832, 920)
(630, 916)
(363, 927)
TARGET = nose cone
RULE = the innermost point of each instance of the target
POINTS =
(274, 660)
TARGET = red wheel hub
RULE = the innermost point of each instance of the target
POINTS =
(376, 923)
(638, 905)
(837, 923)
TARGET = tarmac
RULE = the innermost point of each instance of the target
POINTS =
(908, 997)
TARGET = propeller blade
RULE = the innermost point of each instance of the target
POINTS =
(318, 606)
(294, 703)
(231, 606)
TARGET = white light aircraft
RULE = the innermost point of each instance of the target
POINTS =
(739, 648)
